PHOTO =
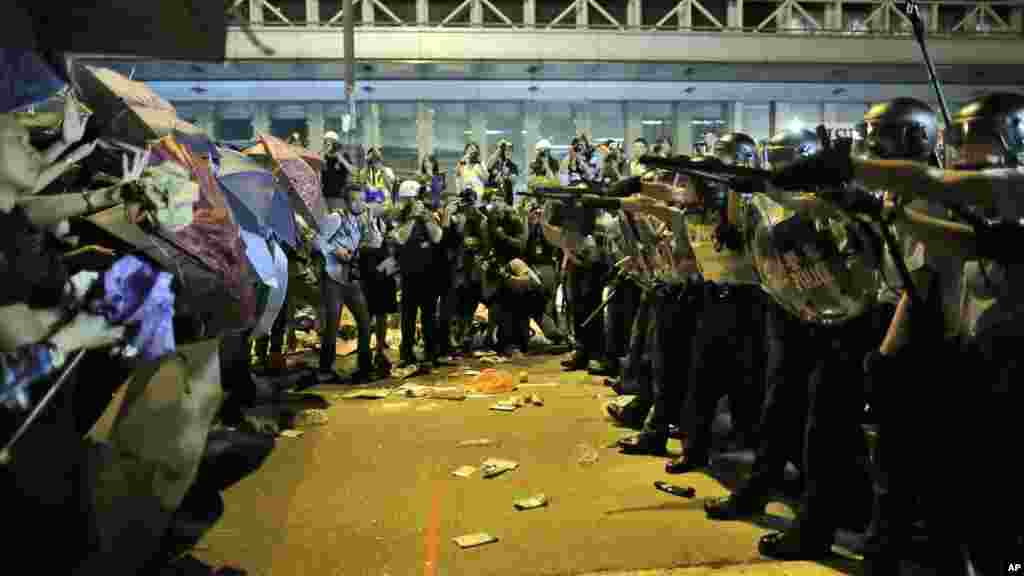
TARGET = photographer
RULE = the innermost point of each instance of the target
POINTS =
(576, 166)
(503, 171)
(467, 238)
(544, 165)
(337, 168)
(543, 257)
(417, 234)
(378, 180)
(470, 172)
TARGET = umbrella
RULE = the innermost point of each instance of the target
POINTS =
(312, 158)
(303, 181)
(248, 183)
(25, 79)
(127, 110)
(271, 265)
(207, 256)
(163, 29)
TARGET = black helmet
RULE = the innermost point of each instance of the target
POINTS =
(738, 148)
(903, 128)
(786, 147)
(988, 132)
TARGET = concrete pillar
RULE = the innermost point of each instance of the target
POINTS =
(635, 14)
(736, 117)
(367, 8)
(531, 125)
(260, 119)
(581, 117)
(582, 13)
(734, 14)
(371, 125)
(206, 119)
(312, 12)
(822, 113)
(682, 127)
(422, 12)
(529, 13)
(424, 130)
(478, 124)
(933, 18)
(315, 123)
(256, 12)
(634, 123)
(476, 14)
(773, 119)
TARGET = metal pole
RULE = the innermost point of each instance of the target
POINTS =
(350, 58)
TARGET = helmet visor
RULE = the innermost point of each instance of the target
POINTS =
(974, 144)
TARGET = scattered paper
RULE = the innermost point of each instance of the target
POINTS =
(368, 394)
(403, 373)
(292, 433)
(535, 399)
(538, 501)
(477, 442)
(471, 540)
(524, 377)
(493, 360)
(394, 406)
(428, 407)
(471, 373)
(505, 407)
(493, 467)
(586, 455)
(464, 471)
(623, 401)
(452, 393)
(311, 417)
(540, 385)
(481, 354)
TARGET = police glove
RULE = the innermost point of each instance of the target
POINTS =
(829, 168)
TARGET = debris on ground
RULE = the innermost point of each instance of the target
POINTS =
(538, 501)
(403, 373)
(477, 442)
(428, 407)
(368, 394)
(494, 466)
(535, 399)
(540, 385)
(492, 381)
(393, 406)
(682, 492)
(586, 455)
(447, 393)
(471, 540)
(311, 417)
(481, 354)
(291, 433)
(524, 377)
(493, 360)
(264, 419)
(471, 373)
(464, 471)
(411, 391)
(505, 406)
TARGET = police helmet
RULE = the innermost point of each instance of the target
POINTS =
(903, 128)
(988, 132)
(786, 147)
(737, 148)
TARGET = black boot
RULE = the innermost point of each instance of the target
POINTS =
(744, 503)
(794, 544)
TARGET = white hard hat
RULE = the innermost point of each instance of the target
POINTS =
(332, 135)
(409, 189)
(542, 145)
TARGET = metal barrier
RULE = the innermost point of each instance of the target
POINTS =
(872, 18)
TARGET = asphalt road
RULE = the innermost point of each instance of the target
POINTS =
(371, 492)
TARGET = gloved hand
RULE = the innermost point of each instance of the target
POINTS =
(829, 168)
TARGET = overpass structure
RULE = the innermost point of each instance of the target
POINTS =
(754, 65)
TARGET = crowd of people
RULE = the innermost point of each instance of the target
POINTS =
(929, 364)
(624, 282)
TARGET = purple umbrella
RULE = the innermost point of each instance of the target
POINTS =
(251, 185)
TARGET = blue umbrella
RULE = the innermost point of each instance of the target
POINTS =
(250, 185)
(25, 79)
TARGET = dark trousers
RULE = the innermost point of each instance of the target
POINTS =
(587, 287)
(675, 319)
(636, 373)
(446, 299)
(621, 310)
(728, 360)
(419, 296)
(334, 295)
